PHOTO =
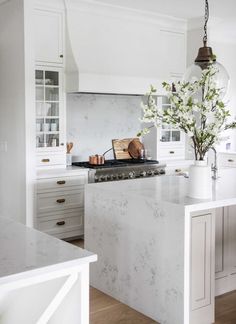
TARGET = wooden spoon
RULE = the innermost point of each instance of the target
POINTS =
(69, 147)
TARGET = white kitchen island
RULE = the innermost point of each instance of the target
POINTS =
(156, 246)
(42, 279)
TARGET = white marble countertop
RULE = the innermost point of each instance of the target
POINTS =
(227, 152)
(61, 172)
(174, 190)
(27, 252)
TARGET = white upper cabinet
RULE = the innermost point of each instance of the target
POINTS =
(49, 37)
(165, 142)
(173, 52)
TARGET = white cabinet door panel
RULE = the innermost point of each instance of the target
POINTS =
(201, 261)
(221, 242)
(232, 239)
(173, 44)
(48, 36)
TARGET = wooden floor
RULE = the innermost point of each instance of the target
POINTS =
(107, 310)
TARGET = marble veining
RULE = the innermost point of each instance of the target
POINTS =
(141, 230)
(24, 249)
(174, 190)
(131, 235)
(94, 120)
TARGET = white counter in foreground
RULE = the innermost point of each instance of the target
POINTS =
(42, 279)
(156, 246)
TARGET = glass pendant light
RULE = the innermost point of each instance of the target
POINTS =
(206, 57)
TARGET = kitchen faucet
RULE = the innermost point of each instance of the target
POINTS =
(214, 166)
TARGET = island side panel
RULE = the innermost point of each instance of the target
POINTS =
(140, 247)
(200, 268)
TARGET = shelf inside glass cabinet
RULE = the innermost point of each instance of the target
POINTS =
(47, 108)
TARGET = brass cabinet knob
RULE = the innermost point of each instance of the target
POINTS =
(61, 201)
(61, 56)
(230, 160)
(61, 182)
(61, 223)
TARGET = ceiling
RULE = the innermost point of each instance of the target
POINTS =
(180, 8)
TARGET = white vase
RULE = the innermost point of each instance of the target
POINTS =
(200, 181)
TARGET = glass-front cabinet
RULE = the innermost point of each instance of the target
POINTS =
(168, 133)
(165, 142)
(49, 112)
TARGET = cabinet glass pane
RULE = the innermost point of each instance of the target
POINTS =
(39, 141)
(51, 78)
(51, 109)
(39, 93)
(40, 109)
(53, 125)
(176, 136)
(165, 100)
(39, 77)
(39, 125)
(52, 94)
(165, 136)
(52, 140)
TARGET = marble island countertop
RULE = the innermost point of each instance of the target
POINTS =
(174, 190)
(27, 252)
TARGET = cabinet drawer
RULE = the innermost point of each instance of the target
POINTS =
(59, 200)
(171, 153)
(50, 159)
(60, 183)
(60, 224)
(228, 160)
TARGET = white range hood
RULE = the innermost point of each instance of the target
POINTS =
(113, 50)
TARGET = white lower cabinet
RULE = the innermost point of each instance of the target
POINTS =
(202, 277)
(225, 254)
(60, 206)
(227, 160)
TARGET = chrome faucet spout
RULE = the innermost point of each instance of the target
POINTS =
(214, 166)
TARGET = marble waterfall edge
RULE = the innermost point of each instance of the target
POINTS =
(132, 238)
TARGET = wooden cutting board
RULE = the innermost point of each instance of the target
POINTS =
(120, 148)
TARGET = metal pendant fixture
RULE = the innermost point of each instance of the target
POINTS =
(205, 53)
(206, 57)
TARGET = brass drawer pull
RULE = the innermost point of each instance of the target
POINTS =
(61, 182)
(60, 201)
(172, 152)
(45, 160)
(178, 170)
(230, 160)
(61, 223)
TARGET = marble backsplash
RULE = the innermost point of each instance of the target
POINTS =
(93, 120)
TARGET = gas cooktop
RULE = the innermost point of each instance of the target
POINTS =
(113, 170)
(115, 163)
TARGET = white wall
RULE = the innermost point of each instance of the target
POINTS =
(16, 106)
(194, 41)
(94, 120)
(226, 53)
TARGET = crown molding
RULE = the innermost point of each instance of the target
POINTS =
(115, 11)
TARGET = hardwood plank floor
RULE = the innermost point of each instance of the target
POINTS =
(226, 309)
(107, 310)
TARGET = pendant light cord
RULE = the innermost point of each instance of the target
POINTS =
(206, 21)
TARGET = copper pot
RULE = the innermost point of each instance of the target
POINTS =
(96, 159)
